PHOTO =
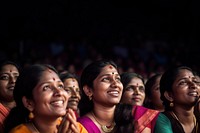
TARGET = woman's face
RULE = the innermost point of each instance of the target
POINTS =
(134, 92)
(72, 87)
(185, 90)
(8, 76)
(50, 98)
(107, 87)
(155, 94)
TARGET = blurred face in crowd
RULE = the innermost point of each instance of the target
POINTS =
(155, 94)
(134, 92)
(8, 76)
(72, 87)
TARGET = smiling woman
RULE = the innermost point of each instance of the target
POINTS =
(41, 103)
(180, 90)
(100, 82)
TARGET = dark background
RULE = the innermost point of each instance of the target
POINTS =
(170, 28)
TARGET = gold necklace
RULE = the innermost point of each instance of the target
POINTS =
(106, 129)
(194, 120)
(33, 125)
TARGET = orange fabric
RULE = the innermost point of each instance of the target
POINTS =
(81, 128)
(23, 129)
(20, 129)
(3, 113)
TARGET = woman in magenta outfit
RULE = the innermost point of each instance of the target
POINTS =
(102, 89)
(134, 119)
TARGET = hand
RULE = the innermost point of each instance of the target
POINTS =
(69, 123)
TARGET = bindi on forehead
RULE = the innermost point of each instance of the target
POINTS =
(10, 70)
(54, 79)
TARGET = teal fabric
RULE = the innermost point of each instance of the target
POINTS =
(163, 125)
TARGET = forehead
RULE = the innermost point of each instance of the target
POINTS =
(136, 80)
(184, 73)
(8, 68)
(70, 80)
(49, 75)
(109, 69)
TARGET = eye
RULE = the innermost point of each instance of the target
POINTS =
(16, 77)
(47, 87)
(4, 77)
(141, 88)
(106, 79)
(130, 88)
(68, 90)
(183, 82)
(118, 79)
(61, 86)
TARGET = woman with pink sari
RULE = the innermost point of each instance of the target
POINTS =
(133, 118)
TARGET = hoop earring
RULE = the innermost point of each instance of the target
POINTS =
(31, 115)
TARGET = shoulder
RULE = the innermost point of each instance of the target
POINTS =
(88, 124)
(82, 128)
(20, 129)
(163, 124)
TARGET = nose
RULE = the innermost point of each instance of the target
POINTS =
(193, 85)
(12, 79)
(74, 93)
(57, 91)
(136, 91)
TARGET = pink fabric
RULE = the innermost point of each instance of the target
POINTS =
(88, 124)
(144, 117)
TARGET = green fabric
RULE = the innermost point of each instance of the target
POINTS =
(163, 125)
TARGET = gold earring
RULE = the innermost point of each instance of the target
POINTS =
(31, 115)
(171, 104)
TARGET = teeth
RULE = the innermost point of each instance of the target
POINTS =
(11, 88)
(57, 102)
(114, 92)
(193, 94)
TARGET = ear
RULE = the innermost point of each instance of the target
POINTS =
(87, 90)
(29, 104)
(168, 96)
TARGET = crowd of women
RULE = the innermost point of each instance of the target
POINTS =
(38, 99)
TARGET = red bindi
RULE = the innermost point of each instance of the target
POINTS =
(10, 70)
(54, 79)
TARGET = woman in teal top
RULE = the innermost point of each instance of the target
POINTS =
(163, 124)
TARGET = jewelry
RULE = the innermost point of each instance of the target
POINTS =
(194, 120)
(33, 125)
(106, 129)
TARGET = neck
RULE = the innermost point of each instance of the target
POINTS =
(8, 105)
(42, 126)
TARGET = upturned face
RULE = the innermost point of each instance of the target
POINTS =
(107, 87)
(50, 98)
(72, 87)
(185, 89)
